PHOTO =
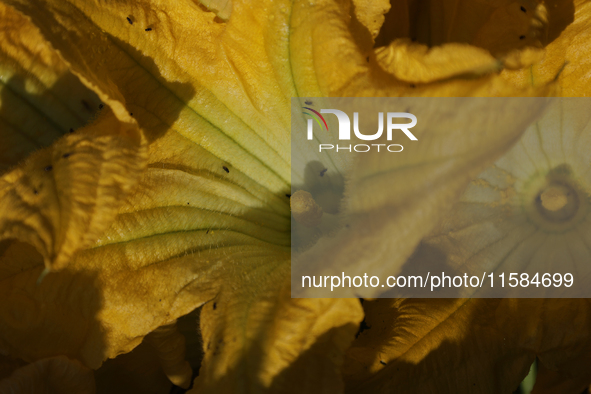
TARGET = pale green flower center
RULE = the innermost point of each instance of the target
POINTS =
(558, 202)
(555, 202)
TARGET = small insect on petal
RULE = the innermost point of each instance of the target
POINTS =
(323, 172)
(308, 102)
(226, 169)
(148, 29)
(48, 168)
(129, 20)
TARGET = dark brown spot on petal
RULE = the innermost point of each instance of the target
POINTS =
(86, 105)
(523, 9)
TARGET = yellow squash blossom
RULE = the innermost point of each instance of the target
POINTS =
(176, 196)
(529, 212)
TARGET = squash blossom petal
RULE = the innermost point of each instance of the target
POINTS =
(530, 211)
(208, 220)
(56, 374)
(565, 57)
(176, 196)
(527, 212)
(541, 187)
(493, 342)
(40, 97)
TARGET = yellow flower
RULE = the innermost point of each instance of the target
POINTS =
(526, 214)
(530, 211)
(176, 195)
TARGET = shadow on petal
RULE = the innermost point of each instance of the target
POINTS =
(54, 317)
